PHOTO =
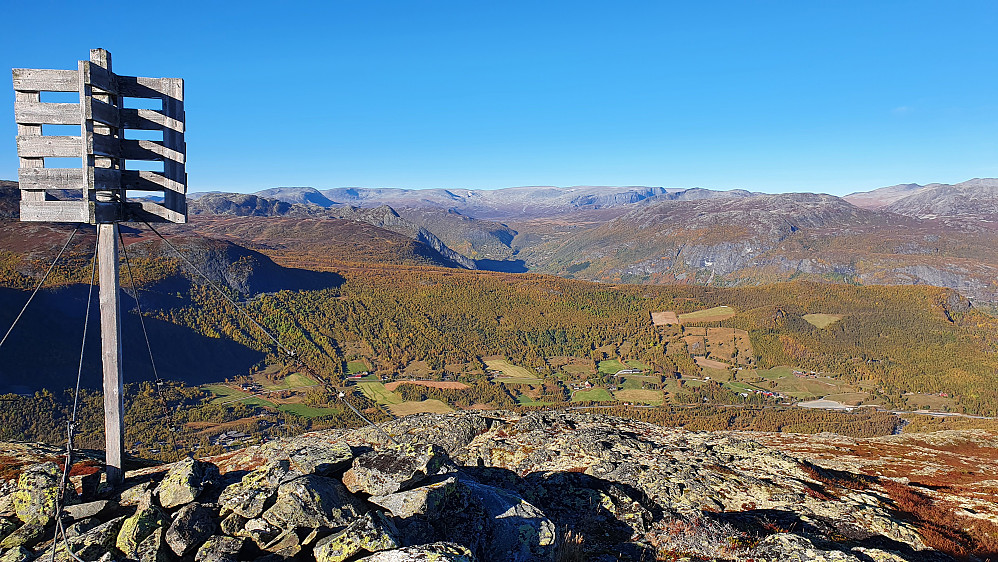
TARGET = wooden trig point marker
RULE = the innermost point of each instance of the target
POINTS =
(97, 192)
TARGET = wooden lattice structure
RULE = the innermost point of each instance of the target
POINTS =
(98, 191)
(107, 187)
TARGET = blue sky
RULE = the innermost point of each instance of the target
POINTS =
(768, 96)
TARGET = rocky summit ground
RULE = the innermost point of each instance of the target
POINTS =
(500, 486)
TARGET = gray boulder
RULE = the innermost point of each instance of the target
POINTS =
(27, 535)
(220, 548)
(184, 482)
(146, 519)
(92, 545)
(191, 526)
(312, 502)
(248, 497)
(99, 508)
(423, 501)
(19, 554)
(153, 548)
(7, 526)
(36, 493)
(371, 533)
(399, 468)
(311, 454)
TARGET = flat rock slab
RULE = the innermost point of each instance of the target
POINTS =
(388, 471)
(99, 508)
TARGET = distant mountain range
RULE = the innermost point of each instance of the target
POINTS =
(934, 234)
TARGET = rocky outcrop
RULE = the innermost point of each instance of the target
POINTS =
(481, 486)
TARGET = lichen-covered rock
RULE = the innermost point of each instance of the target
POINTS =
(286, 545)
(146, 519)
(434, 552)
(424, 500)
(99, 508)
(153, 548)
(19, 554)
(248, 497)
(492, 522)
(133, 495)
(191, 526)
(311, 502)
(371, 533)
(36, 493)
(184, 482)
(232, 524)
(92, 545)
(259, 531)
(219, 548)
(7, 526)
(311, 454)
(398, 468)
(27, 535)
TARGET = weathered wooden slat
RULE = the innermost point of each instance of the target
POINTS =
(149, 150)
(48, 147)
(154, 212)
(45, 80)
(103, 112)
(144, 180)
(106, 145)
(29, 130)
(142, 87)
(55, 211)
(33, 195)
(149, 120)
(100, 78)
(173, 106)
(39, 113)
(50, 178)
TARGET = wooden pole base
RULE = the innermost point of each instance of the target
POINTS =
(110, 330)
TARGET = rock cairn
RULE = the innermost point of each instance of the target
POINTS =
(461, 487)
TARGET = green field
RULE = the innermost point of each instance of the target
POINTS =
(307, 411)
(822, 320)
(225, 394)
(290, 382)
(594, 395)
(611, 366)
(357, 366)
(376, 391)
(509, 370)
(710, 315)
(635, 364)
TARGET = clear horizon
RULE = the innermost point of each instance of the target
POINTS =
(764, 96)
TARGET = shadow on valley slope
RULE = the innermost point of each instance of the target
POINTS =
(43, 351)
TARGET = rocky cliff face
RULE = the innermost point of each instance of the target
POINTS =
(471, 486)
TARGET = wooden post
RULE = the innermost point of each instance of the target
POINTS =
(110, 332)
(110, 288)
